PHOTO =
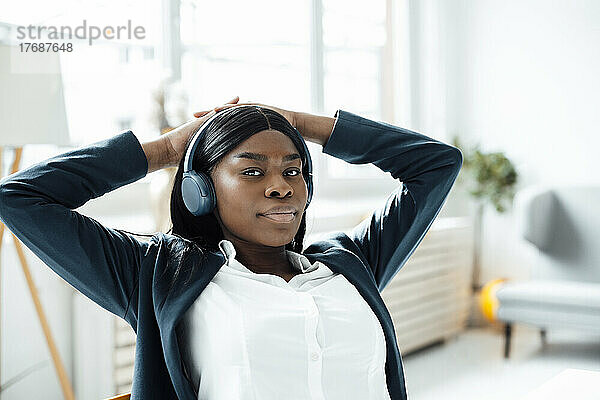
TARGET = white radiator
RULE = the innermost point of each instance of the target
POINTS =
(123, 356)
(429, 298)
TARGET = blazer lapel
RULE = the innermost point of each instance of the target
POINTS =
(182, 296)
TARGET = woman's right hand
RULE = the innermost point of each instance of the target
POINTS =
(178, 137)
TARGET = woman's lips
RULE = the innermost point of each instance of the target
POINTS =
(280, 217)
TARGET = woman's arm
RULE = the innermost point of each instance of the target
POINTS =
(426, 167)
(37, 204)
(168, 149)
(159, 154)
(314, 128)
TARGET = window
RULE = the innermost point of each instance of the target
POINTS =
(260, 51)
(124, 54)
(227, 53)
(353, 45)
(238, 55)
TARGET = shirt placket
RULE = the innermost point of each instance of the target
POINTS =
(314, 350)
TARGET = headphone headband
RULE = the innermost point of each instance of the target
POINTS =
(187, 164)
(197, 189)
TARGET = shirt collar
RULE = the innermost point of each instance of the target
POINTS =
(298, 261)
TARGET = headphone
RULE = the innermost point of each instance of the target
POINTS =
(197, 189)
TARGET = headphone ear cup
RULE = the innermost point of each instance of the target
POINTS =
(198, 193)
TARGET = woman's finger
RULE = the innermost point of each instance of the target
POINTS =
(250, 104)
(198, 114)
(218, 108)
(231, 102)
(224, 106)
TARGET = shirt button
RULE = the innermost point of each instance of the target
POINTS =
(314, 356)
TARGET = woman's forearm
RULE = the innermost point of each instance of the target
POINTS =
(159, 154)
(315, 128)
(169, 149)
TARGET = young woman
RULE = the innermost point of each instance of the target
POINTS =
(230, 305)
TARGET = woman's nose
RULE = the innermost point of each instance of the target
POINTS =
(279, 188)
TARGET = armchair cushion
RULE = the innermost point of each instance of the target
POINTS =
(550, 303)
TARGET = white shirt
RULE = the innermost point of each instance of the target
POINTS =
(255, 336)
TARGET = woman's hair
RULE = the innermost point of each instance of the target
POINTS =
(226, 131)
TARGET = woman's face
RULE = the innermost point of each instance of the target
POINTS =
(263, 172)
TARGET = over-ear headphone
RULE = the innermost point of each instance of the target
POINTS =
(197, 189)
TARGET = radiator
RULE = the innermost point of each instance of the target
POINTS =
(123, 356)
(429, 298)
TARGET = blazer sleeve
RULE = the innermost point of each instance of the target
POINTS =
(37, 204)
(427, 169)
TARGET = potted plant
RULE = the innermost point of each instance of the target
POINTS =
(490, 178)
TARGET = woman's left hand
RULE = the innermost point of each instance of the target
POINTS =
(291, 116)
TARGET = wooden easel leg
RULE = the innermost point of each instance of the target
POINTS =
(60, 369)
(65, 384)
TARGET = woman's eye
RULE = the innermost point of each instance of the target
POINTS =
(251, 172)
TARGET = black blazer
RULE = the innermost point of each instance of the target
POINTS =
(123, 274)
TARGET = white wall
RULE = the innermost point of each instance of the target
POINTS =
(521, 77)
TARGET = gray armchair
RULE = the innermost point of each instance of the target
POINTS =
(563, 223)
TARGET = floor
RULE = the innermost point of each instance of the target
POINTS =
(472, 366)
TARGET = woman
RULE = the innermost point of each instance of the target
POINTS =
(229, 305)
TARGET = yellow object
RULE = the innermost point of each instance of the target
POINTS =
(121, 397)
(488, 301)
